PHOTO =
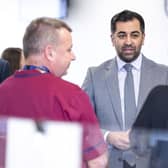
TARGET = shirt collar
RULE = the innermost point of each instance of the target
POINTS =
(136, 63)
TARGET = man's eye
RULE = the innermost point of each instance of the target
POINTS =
(70, 50)
(135, 35)
(121, 36)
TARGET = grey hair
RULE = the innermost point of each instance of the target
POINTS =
(40, 32)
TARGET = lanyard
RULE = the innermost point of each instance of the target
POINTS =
(31, 67)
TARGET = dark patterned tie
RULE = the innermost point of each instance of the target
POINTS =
(129, 97)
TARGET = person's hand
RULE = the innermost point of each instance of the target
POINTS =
(99, 162)
(119, 139)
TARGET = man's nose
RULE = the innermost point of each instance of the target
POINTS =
(128, 40)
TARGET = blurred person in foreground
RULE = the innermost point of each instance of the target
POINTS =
(14, 55)
(38, 92)
(4, 69)
(149, 135)
(107, 86)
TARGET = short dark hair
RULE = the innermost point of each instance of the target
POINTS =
(127, 15)
(40, 32)
(13, 56)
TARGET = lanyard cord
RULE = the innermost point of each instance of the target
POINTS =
(31, 67)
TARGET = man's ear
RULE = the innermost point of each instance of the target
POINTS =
(143, 39)
(112, 38)
(49, 52)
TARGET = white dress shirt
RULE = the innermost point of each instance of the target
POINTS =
(136, 71)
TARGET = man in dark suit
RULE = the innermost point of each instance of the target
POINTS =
(105, 86)
(149, 135)
(4, 69)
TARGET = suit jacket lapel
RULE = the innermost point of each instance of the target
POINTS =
(113, 90)
(145, 81)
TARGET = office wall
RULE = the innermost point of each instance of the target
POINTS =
(90, 21)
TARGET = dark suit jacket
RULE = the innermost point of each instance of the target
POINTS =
(149, 135)
(4, 70)
(154, 113)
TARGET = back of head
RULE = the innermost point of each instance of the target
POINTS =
(13, 56)
(125, 16)
(40, 32)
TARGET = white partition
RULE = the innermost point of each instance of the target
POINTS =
(59, 146)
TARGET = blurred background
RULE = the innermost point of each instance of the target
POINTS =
(90, 21)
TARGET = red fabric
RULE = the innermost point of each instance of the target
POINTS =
(32, 94)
